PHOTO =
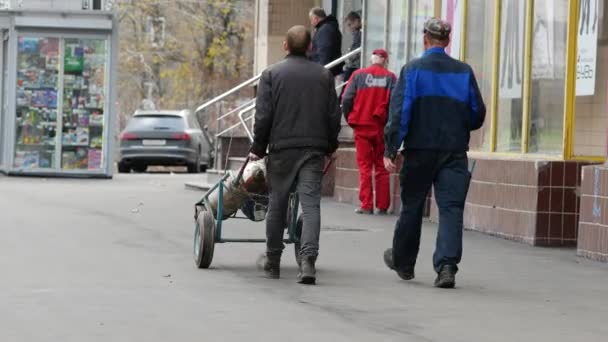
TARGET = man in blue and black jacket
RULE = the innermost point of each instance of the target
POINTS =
(434, 107)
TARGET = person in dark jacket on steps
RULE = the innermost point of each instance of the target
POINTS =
(297, 121)
(434, 107)
(353, 22)
(327, 39)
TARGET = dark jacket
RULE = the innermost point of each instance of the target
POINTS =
(355, 61)
(327, 43)
(435, 105)
(296, 107)
(365, 102)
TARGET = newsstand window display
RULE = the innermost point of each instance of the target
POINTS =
(37, 83)
(61, 102)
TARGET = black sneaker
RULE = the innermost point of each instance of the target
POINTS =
(382, 212)
(388, 261)
(446, 279)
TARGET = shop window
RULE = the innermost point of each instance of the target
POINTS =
(83, 103)
(374, 30)
(548, 76)
(452, 12)
(60, 132)
(591, 116)
(37, 87)
(397, 35)
(479, 54)
(420, 11)
(511, 76)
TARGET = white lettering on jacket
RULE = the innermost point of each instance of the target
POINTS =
(372, 82)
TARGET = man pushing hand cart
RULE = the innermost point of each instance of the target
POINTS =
(297, 121)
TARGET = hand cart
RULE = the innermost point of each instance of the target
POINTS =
(208, 227)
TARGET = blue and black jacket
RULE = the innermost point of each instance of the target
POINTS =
(434, 106)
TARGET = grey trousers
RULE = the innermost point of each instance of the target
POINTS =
(304, 169)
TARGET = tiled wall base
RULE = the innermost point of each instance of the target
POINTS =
(347, 181)
(593, 224)
(531, 201)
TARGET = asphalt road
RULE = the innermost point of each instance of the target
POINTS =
(111, 260)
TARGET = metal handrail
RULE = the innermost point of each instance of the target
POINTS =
(243, 122)
(257, 77)
(248, 103)
(228, 130)
(343, 58)
(250, 108)
(229, 92)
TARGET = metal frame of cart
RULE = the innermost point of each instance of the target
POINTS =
(208, 227)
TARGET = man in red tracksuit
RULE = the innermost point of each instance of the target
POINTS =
(365, 107)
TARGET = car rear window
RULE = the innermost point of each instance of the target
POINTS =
(156, 123)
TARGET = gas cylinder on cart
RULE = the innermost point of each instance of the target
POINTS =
(239, 189)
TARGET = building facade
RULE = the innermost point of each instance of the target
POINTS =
(542, 68)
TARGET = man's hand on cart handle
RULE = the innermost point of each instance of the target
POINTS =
(253, 156)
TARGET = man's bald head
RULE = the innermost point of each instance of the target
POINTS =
(298, 40)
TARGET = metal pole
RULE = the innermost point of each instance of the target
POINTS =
(495, 74)
(525, 122)
(570, 86)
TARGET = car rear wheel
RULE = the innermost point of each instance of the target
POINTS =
(123, 168)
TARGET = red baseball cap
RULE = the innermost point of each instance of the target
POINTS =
(380, 52)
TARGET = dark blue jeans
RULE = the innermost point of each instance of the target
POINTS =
(448, 173)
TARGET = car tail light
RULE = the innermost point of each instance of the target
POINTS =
(181, 136)
(128, 136)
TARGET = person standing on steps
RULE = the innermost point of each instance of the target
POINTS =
(435, 105)
(300, 133)
(365, 108)
(353, 22)
(327, 39)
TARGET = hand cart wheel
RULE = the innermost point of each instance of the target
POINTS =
(204, 239)
(297, 245)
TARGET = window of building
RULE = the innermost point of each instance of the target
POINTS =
(511, 75)
(420, 11)
(479, 55)
(547, 90)
(375, 29)
(397, 35)
(591, 116)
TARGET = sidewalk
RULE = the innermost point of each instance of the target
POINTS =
(506, 291)
(125, 259)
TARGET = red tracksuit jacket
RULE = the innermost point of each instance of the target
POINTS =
(365, 102)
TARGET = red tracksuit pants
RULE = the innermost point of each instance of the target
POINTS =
(370, 154)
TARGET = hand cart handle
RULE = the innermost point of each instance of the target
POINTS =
(238, 178)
